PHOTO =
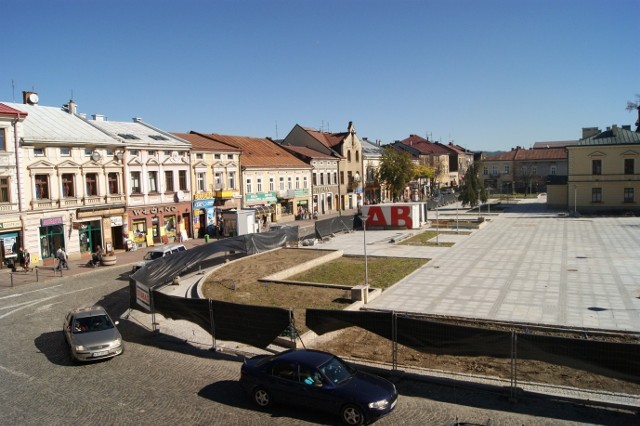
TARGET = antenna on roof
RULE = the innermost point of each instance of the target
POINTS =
(13, 89)
(277, 129)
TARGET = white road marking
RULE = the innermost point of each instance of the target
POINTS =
(16, 373)
(28, 292)
(22, 306)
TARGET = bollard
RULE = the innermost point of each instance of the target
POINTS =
(206, 238)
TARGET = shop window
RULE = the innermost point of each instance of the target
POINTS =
(139, 231)
(170, 226)
(68, 187)
(42, 187)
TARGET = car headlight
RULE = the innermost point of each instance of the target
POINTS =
(79, 348)
(116, 342)
(379, 405)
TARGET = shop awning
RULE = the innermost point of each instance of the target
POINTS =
(263, 210)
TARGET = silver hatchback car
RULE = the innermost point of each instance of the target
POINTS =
(91, 334)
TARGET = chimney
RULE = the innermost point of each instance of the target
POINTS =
(587, 132)
(30, 98)
(99, 117)
(137, 119)
(72, 107)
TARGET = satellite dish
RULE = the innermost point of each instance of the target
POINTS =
(95, 156)
(179, 195)
(119, 155)
(33, 98)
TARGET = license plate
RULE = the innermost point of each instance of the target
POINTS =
(100, 353)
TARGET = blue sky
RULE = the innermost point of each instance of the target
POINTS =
(487, 74)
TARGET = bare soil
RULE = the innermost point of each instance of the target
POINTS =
(238, 282)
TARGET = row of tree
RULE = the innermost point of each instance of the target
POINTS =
(397, 170)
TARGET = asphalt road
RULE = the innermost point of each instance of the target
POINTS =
(162, 380)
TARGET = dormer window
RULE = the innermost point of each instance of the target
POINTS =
(158, 137)
(128, 136)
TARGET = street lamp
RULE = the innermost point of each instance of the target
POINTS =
(575, 199)
(366, 265)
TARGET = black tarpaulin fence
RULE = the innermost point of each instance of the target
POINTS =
(612, 359)
(253, 325)
(334, 225)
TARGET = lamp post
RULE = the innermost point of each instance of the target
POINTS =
(575, 199)
(366, 265)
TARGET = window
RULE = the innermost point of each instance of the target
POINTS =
(341, 178)
(506, 169)
(3, 143)
(335, 178)
(216, 156)
(5, 193)
(357, 156)
(305, 181)
(133, 152)
(65, 152)
(321, 178)
(200, 181)
(229, 156)
(596, 167)
(92, 183)
(281, 183)
(153, 153)
(596, 194)
(315, 179)
(249, 186)
(68, 187)
(42, 187)
(494, 170)
(158, 138)
(113, 183)
(153, 181)
(259, 184)
(168, 181)
(88, 152)
(232, 180)
(110, 152)
(272, 185)
(135, 183)
(167, 153)
(297, 182)
(348, 156)
(485, 171)
(289, 183)
(218, 177)
(628, 195)
(38, 152)
(128, 136)
(552, 170)
(182, 180)
(199, 156)
(629, 166)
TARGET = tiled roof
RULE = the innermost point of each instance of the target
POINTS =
(531, 155)
(329, 140)
(53, 124)
(260, 152)
(614, 135)
(310, 153)
(423, 146)
(6, 110)
(203, 143)
(370, 148)
(553, 144)
(138, 133)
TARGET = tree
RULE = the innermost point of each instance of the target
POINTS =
(473, 191)
(635, 105)
(396, 170)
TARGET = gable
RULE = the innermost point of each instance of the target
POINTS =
(597, 154)
(42, 164)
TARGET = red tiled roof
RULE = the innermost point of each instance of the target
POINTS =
(308, 152)
(11, 112)
(329, 140)
(260, 152)
(423, 146)
(203, 143)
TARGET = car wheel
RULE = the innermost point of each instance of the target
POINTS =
(352, 415)
(261, 397)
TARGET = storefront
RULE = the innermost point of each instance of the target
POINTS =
(100, 226)
(51, 234)
(161, 224)
(9, 241)
(204, 218)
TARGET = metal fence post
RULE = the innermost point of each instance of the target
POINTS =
(394, 341)
(213, 326)
(514, 367)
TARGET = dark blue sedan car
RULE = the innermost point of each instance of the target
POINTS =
(318, 380)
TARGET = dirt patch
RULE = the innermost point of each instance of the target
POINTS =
(238, 282)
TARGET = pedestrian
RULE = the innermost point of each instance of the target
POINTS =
(26, 263)
(63, 259)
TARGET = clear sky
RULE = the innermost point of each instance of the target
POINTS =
(487, 74)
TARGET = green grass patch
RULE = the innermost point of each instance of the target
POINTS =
(383, 272)
(423, 239)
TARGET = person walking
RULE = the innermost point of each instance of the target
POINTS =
(63, 259)
(26, 260)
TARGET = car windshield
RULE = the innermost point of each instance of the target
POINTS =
(336, 371)
(95, 323)
(153, 255)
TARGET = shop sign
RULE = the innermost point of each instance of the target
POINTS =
(262, 197)
(203, 204)
(301, 192)
(203, 195)
(155, 210)
(116, 221)
(51, 221)
(7, 225)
